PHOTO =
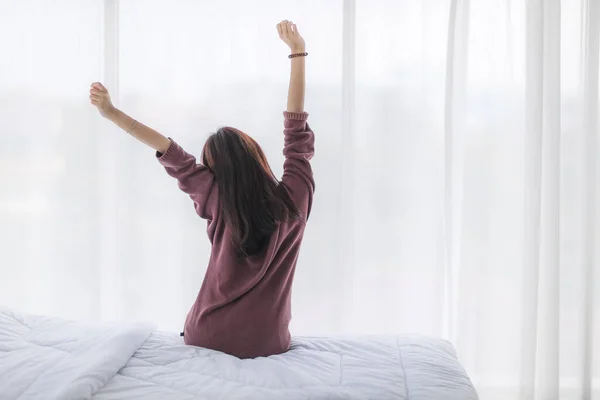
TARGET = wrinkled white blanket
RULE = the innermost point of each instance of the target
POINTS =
(48, 358)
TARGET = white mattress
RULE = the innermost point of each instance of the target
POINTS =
(46, 358)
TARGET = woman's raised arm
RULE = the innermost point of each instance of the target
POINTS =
(100, 98)
(288, 32)
(194, 179)
(299, 139)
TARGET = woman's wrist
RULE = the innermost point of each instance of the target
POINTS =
(296, 50)
(110, 113)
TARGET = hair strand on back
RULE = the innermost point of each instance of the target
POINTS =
(252, 199)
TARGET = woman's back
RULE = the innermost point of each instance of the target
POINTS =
(244, 305)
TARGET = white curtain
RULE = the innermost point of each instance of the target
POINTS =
(456, 168)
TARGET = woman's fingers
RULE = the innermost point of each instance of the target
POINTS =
(288, 32)
(95, 97)
(286, 27)
(98, 86)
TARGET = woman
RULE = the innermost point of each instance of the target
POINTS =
(255, 222)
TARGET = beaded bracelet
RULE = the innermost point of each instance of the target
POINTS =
(298, 55)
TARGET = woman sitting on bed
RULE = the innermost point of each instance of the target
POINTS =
(255, 222)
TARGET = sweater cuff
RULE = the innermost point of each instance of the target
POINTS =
(171, 150)
(302, 116)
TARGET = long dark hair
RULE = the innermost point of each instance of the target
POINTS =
(252, 199)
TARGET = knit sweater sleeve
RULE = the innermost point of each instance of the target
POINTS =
(194, 179)
(299, 148)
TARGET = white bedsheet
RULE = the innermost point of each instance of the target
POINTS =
(46, 358)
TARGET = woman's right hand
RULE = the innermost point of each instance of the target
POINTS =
(288, 32)
(100, 98)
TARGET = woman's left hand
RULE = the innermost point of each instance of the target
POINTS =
(100, 98)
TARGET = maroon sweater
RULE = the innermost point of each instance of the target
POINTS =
(244, 305)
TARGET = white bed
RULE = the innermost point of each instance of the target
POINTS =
(48, 358)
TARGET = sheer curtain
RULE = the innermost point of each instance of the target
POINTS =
(456, 168)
